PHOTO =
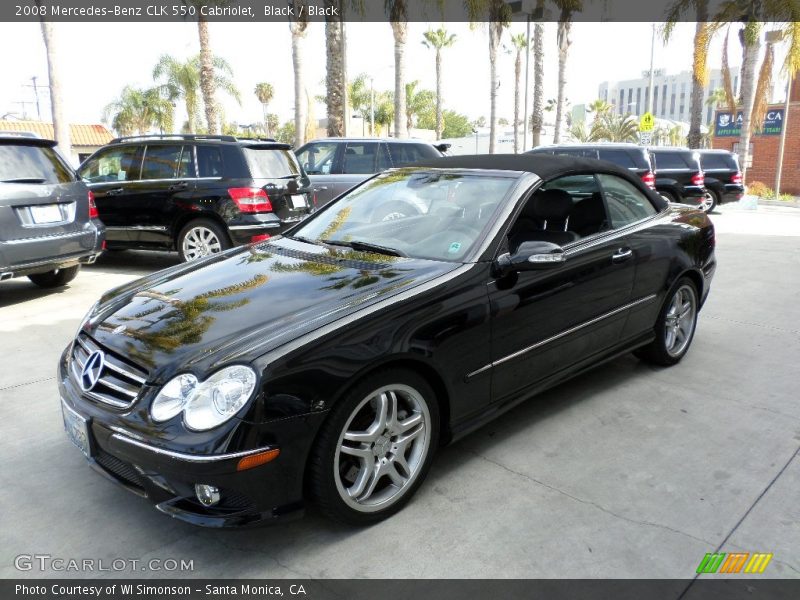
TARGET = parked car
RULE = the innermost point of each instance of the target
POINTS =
(330, 363)
(723, 179)
(48, 219)
(679, 176)
(337, 164)
(633, 157)
(197, 194)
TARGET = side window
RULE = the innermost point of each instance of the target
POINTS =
(161, 162)
(317, 158)
(209, 161)
(384, 162)
(404, 154)
(360, 158)
(186, 164)
(626, 204)
(117, 164)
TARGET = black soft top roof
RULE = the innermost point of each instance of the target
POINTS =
(546, 166)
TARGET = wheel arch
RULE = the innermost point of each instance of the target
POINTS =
(186, 218)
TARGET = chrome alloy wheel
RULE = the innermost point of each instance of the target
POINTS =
(200, 241)
(382, 448)
(680, 320)
(706, 203)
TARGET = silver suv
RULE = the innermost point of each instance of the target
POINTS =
(49, 224)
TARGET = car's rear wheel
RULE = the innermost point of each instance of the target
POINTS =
(201, 237)
(668, 196)
(675, 326)
(56, 277)
(708, 202)
(375, 448)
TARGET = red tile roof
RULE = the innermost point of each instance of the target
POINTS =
(82, 135)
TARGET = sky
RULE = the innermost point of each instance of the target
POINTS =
(99, 59)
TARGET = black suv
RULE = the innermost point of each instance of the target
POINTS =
(723, 179)
(337, 164)
(48, 220)
(679, 176)
(633, 157)
(197, 194)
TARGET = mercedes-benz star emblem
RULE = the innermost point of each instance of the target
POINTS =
(91, 370)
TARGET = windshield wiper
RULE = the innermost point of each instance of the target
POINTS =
(366, 247)
(300, 238)
(23, 180)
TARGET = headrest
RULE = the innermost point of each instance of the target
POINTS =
(555, 204)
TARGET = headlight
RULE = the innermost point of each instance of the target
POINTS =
(206, 404)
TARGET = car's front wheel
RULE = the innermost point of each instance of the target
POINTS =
(375, 448)
(675, 326)
(56, 277)
(200, 238)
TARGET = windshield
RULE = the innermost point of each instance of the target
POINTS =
(270, 163)
(432, 215)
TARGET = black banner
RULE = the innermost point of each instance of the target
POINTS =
(353, 10)
(403, 589)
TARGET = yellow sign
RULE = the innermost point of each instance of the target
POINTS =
(647, 122)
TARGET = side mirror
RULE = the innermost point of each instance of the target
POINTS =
(530, 256)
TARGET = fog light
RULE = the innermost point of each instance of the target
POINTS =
(208, 495)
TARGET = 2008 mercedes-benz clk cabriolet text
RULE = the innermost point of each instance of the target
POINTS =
(331, 363)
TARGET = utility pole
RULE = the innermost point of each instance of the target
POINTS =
(527, 71)
(652, 73)
(371, 106)
(36, 95)
(782, 146)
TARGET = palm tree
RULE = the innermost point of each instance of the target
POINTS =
(335, 76)
(615, 128)
(265, 92)
(438, 39)
(537, 112)
(520, 42)
(60, 122)
(298, 25)
(717, 98)
(398, 19)
(599, 107)
(497, 15)
(359, 96)
(578, 133)
(139, 110)
(182, 80)
(207, 74)
(417, 103)
(566, 9)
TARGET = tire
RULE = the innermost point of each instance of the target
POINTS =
(200, 238)
(715, 201)
(669, 196)
(344, 484)
(55, 278)
(673, 337)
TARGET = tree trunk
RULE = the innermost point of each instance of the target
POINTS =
(334, 79)
(696, 110)
(400, 30)
(517, 73)
(298, 33)
(537, 112)
(60, 123)
(439, 114)
(563, 51)
(207, 75)
(495, 32)
(748, 93)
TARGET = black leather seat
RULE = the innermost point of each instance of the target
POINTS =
(544, 218)
(589, 216)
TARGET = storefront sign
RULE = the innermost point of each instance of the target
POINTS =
(725, 126)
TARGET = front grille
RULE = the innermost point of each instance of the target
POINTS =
(119, 469)
(119, 382)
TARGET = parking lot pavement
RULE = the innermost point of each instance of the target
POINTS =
(628, 471)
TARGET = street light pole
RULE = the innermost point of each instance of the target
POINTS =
(782, 146)
(652, 63)
(527, 70)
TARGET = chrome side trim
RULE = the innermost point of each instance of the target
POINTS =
(193, 458)
(259, 226)
(564, 333)
(139, 228)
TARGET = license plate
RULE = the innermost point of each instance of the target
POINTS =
(46, 213)
(77, 428)
(298, 201)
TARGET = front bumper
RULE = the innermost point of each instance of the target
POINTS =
(166, 476)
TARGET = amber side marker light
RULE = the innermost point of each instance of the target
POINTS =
(255, 460)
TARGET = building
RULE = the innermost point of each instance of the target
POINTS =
(765, 143)
(85, 138)
(671, 94)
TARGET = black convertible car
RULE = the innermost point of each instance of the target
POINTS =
(331, 363)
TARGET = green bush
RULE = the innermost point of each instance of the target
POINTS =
(760, 189)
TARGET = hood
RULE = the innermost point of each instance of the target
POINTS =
(194, 316)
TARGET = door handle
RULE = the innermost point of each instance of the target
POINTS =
(178, 186)
(621, 255)
(114, 192)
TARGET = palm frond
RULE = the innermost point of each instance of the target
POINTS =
(763, 88)
(727, 80)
